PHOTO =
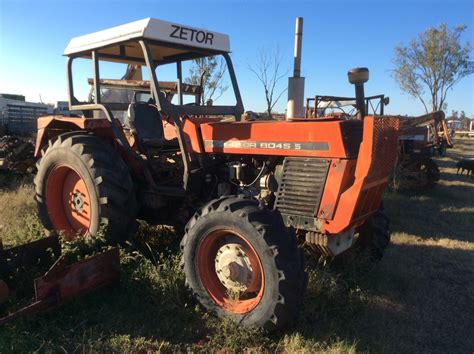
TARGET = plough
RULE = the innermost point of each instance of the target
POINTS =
(62, 282)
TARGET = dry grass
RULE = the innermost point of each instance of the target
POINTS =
(429, 270)
(18, 220)
(419, 298)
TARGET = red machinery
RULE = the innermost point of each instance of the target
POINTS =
(61, 282)
(247, 191)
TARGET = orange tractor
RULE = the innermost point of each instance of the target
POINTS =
(247, 191)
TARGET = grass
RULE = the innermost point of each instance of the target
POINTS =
(418, 298)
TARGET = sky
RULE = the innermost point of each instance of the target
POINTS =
(337, 35)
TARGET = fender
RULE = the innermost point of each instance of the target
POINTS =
(376, 159)
(50, 127)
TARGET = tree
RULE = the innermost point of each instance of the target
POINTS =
(435, 61)
(209, 72)
(268, 71)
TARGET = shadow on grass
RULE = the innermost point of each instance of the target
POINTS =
(9, 181)
(429, 219)
(423, 303)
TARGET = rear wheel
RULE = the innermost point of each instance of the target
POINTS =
(415, 172)
(242, 262)
(81, 184)
(442, 148)
(432, 172)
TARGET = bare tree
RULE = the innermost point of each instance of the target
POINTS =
(269, 73)
(435, 61)
(208, 72)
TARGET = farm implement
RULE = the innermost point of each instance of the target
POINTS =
(16, 154)
(60, 283)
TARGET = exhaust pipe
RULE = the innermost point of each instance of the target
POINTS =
(357, 77)
(295, 105)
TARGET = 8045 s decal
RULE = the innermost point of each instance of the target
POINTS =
(277, 145)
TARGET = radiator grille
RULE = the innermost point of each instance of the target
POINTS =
(301, 186)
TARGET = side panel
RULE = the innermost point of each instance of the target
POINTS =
(281, 138)
(340, 177)
(192, 133)
(377, 156)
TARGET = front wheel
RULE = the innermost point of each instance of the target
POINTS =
(374, 235)
(242, 262)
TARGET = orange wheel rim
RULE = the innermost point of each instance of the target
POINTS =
(212, 265)
(68, 202)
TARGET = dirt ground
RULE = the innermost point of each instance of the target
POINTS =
(419, 298)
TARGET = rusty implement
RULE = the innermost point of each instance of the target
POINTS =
(61, 282)
(17, 154)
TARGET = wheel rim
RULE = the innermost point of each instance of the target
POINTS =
(68, 202)
(230, 271)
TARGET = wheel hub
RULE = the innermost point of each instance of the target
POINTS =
(233, 267)
(78, 201)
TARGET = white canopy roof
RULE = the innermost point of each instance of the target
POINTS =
(335, 104)
(153, 29)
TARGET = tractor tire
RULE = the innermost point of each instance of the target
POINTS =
(241, 262)
(442, 149)
(432, 172)
(82, 183)
(415, 173)
(374, 236)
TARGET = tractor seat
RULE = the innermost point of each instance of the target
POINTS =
(144, 122)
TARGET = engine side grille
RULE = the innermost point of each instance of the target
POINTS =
(384, 154)
(301, 186)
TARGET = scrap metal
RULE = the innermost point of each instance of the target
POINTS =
(17, 154)
(61, 282)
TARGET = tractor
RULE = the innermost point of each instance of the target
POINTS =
(246, 194)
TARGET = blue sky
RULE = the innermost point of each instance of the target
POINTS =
(338, 35)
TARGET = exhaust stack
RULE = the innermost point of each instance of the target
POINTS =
(358, 77)
(295, 105)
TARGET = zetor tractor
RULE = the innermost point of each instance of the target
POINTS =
(247, 191)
